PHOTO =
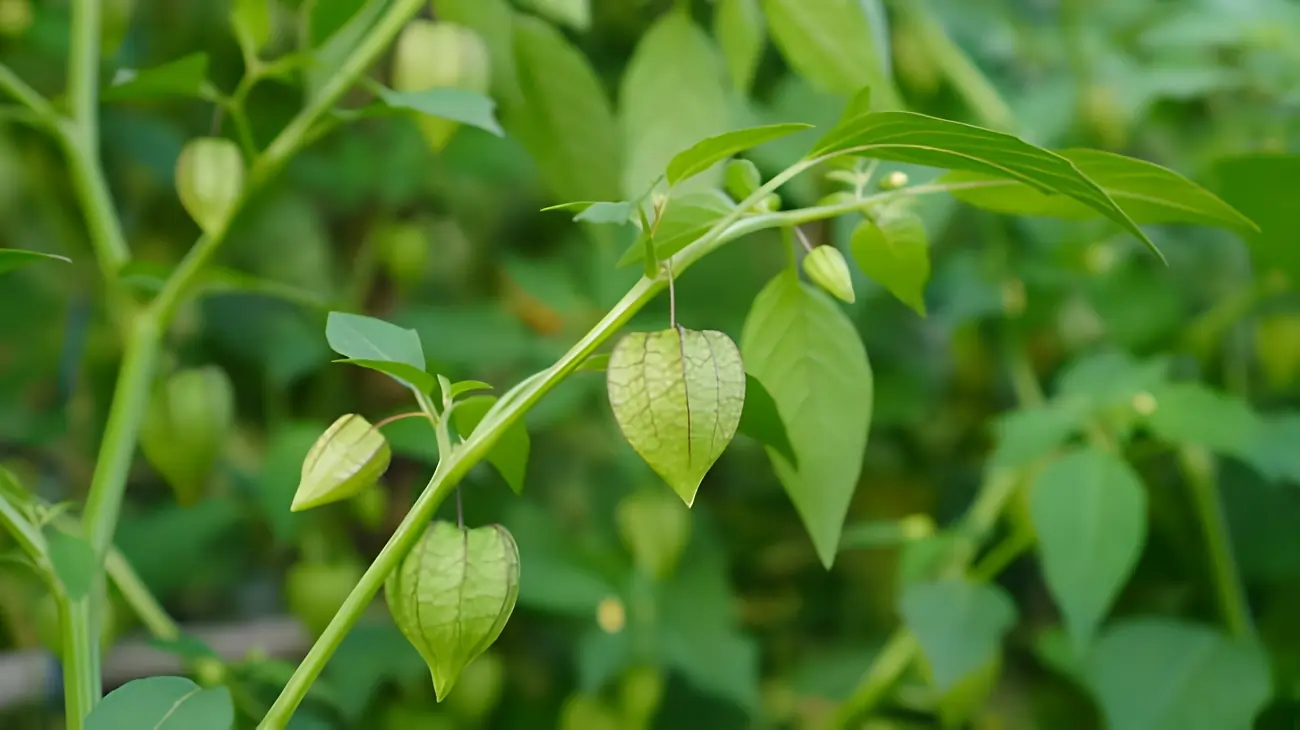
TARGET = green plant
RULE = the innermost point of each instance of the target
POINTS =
(799, 381)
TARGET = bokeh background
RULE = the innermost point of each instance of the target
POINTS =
(749, 631)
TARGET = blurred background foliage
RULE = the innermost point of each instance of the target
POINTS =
(748, 630)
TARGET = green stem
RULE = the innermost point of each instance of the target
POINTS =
(83, 69)
(1198, 468)
(891, 661)
(106, 237)
(80, 643)
(13, 85)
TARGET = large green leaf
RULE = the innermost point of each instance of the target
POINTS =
(959, 625)
(163, 703)
(16, 258)
(921, 140)
(1161, 674)
(894, 250)
(358, 337)
(806, 352)
(709, 152)
(565, 120)
(1147, 192)
(183, 77)
(509, 455)
(762, 422)
(673, 94)
(741, 32)
(831, 44)
(1090, 512)
(1266, 187)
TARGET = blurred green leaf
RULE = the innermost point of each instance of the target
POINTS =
(74, 561)
(1146, 192)
(675, 60)
(1029, 434)
(365, 338)
(574, 13)
(687, 217)
(959, 625)
(287, 446)
(708, 152)
(761, 421)
(1273, 450)
(1193, 414)
(510, 453)
(1090, 512)
(252, 23)
(741, 31)
(832, 44)
(369, 656)
(894, 250)
(1265, 187)
(800, 345)
(185, 76)
(12, 259)
(458, 105)
(1162, 674)
(163, 703)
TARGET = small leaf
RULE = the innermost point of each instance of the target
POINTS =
(761, 421)
(1162, 674)
(452, 594)
(15, 258)
(1029, 434)
(185, 76)
(677, 395)
(709, 152)
(831, 44)
(163, 703)
(921, 140)
(251, 20)
(74, 562)
(689, 216)
(895, 251)
(676, 63)
(959, 625)
(350, 456)
(806, 352)
(1147, 192)
(467, 386)
(1192, 414)
(365, 338)
(741, 32)
(457, 105)
(1090, 512)
(401, 372)
(509, 455)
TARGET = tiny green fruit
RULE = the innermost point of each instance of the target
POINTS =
(315, 591)
(677, 395)
(430, 55)
(452, 594)
(209, 180)
(826, 267)
(655, 528)
(185, 428)
(741, 178)
(350, 456)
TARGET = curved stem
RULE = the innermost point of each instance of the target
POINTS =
(1198, 468)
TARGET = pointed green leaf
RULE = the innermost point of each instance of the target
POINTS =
(183, 77)
(831, 44)
(565, 121)
(74, 562)
(959, 625)
(509, 455)
(675, 63)
(677, 395)
(806, 352)
(709, 152)
(16, 258)
(400, 371)
(252, 23)
(741, 31)
(452, 594)
(1090, 512)
(894, 250)
(458, 105)
(1030, 434)
(598, 211)
(163, 703)
(1192, 414)
(921, 140)
(467, 386)
(1163, 674)
(761, 421)
(359, 337)
(1147, 192)
(688, 217)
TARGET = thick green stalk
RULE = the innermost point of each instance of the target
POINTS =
(79, 631)
(1198, 468)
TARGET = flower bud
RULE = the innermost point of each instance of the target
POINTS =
(826, 267)
(350, 456)
(430, 55)
(452, 594)
(209, 180)
(186, 426)
(655, 528)
(741, 178)
(894, 180)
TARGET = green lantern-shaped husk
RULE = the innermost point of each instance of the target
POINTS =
(452, 595)
(826, 267)
(185, 428)
(350, 456)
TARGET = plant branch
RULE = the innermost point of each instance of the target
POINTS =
(13, 85)
(1198, 468)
